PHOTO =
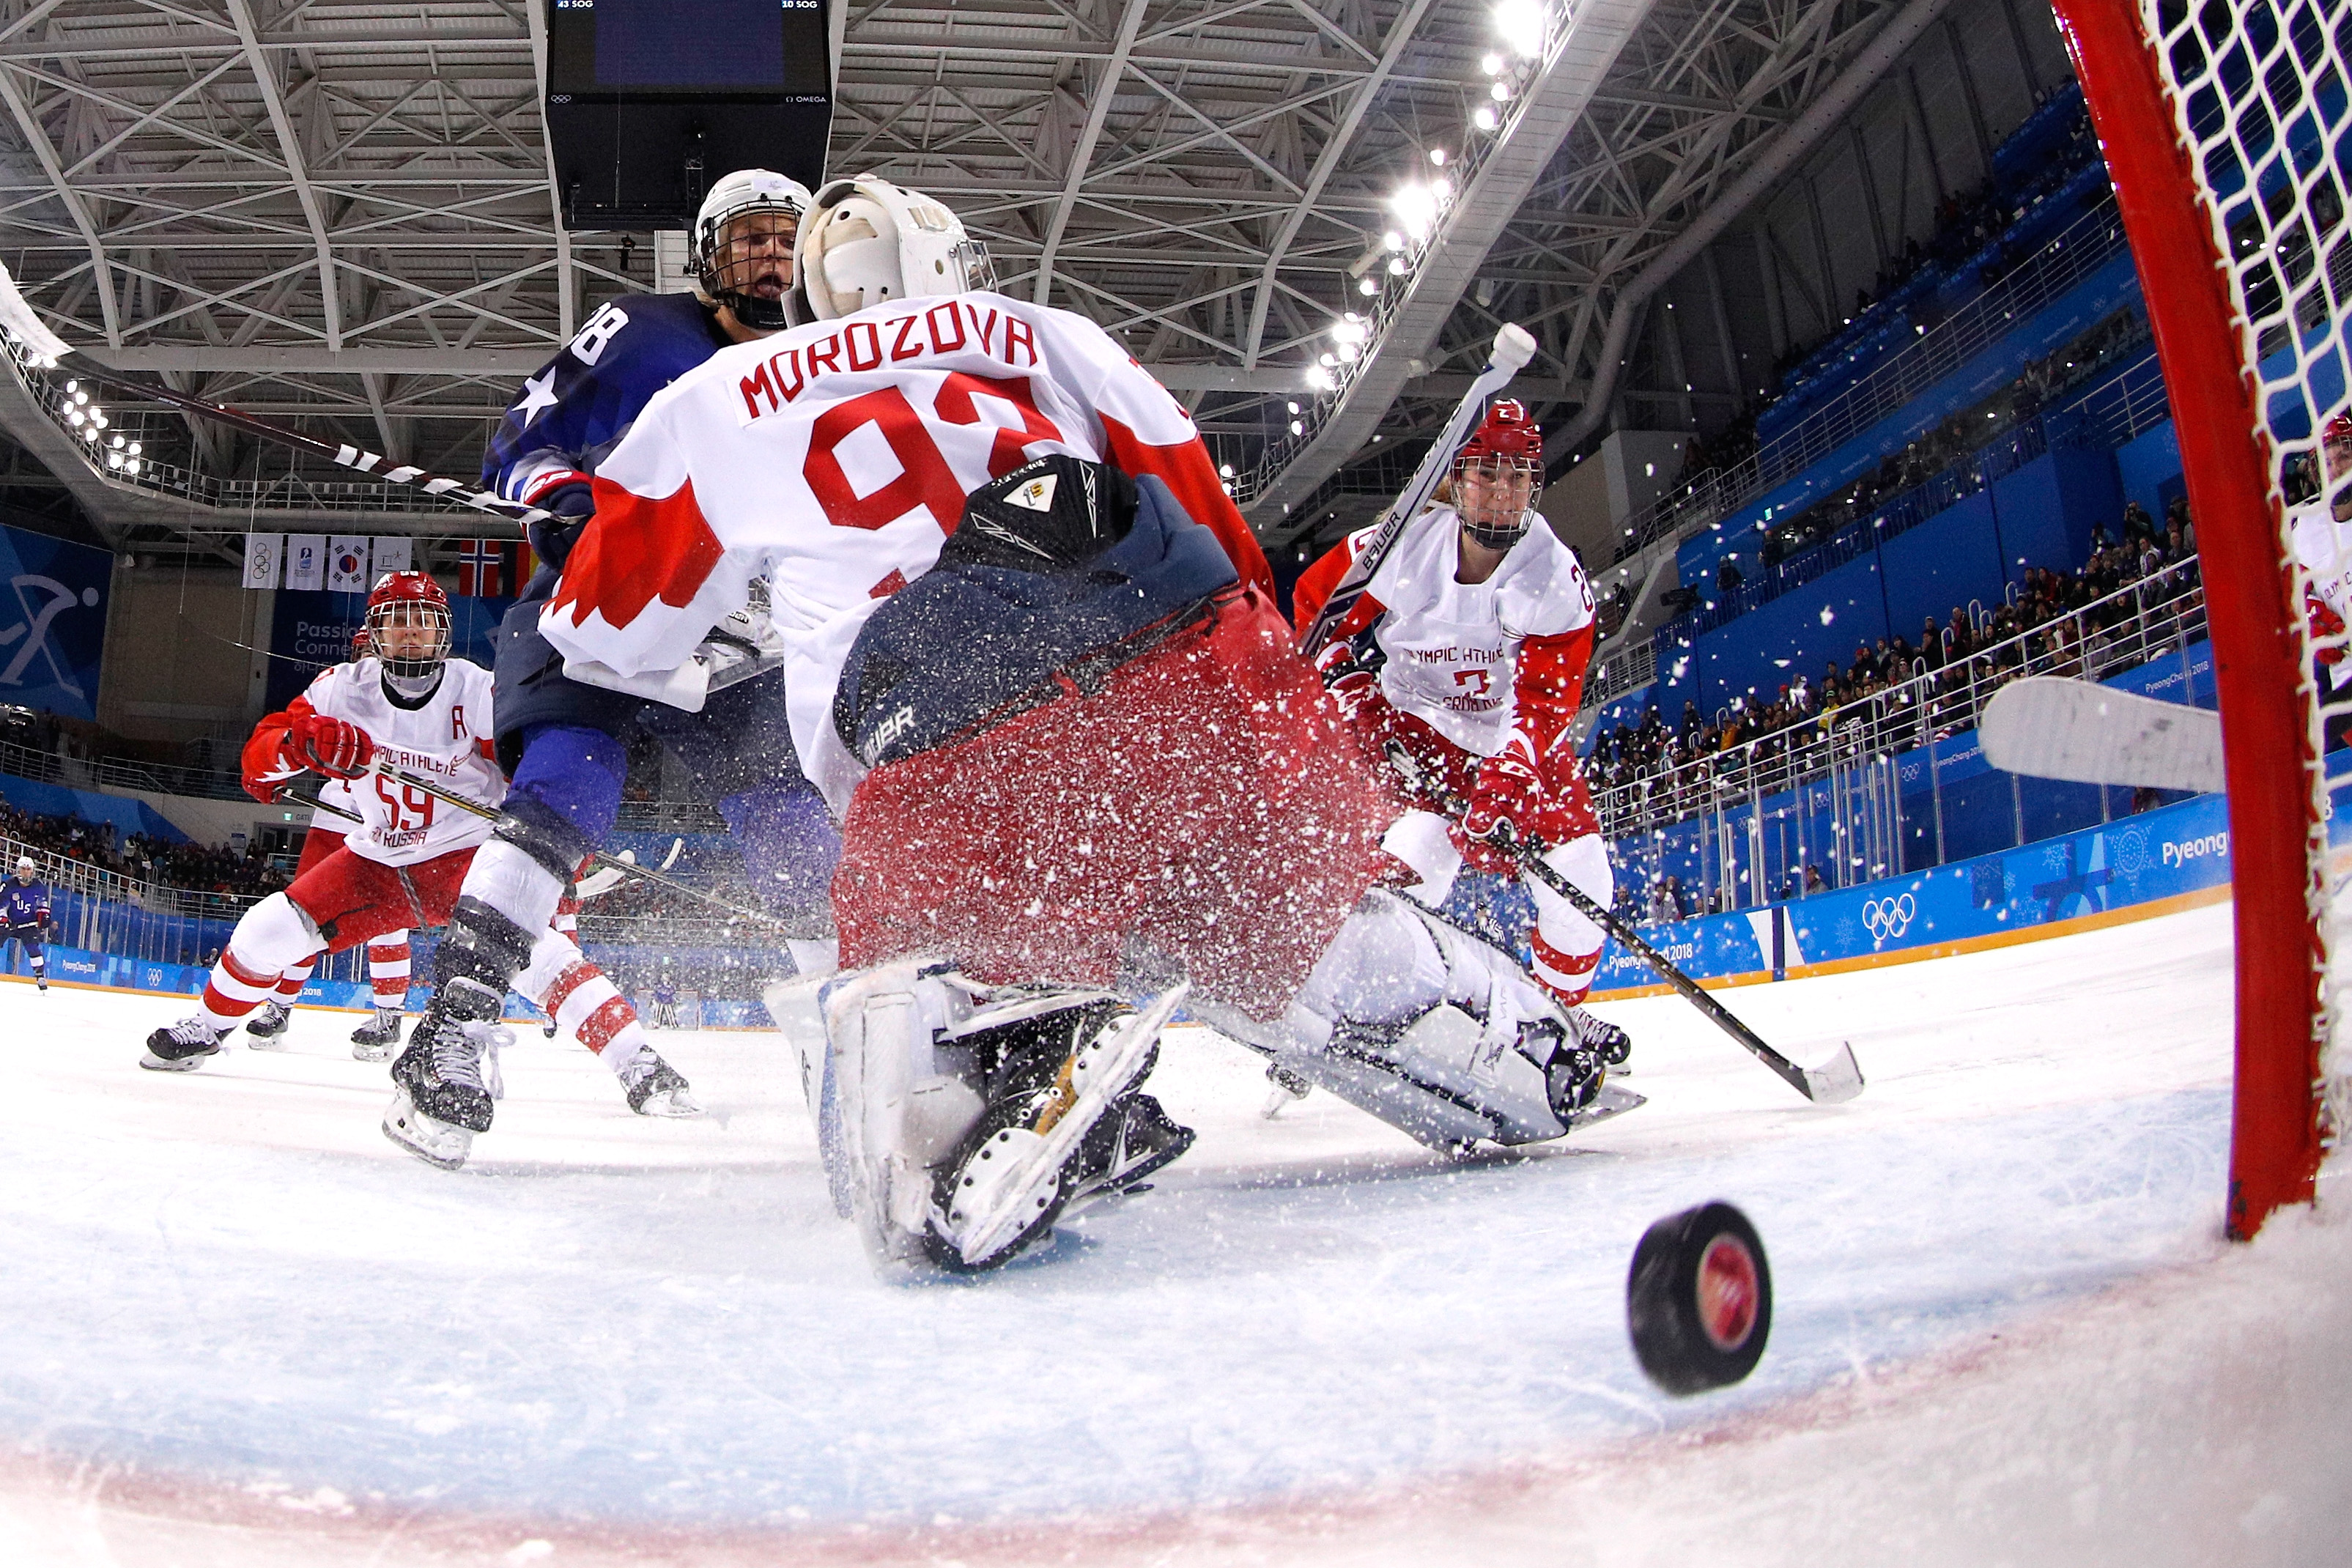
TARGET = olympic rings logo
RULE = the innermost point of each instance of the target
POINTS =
(1886, 918)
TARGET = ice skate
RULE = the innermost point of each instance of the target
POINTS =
(183, 1046)
(439, 1098)
(1612, 1044)
(372, 1041)
(1016, 1170)
(267, 1026)
(656, 1089)
(1136, 1140)
(40, 982)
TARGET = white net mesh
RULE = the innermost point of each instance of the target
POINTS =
(2260, 94)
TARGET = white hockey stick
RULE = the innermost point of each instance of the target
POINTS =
(16, 314)
(2052, 727)
(1513, 348)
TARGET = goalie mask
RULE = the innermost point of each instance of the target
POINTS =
(1494, 476)
(408, 625)
(868, 241)
(744, 239)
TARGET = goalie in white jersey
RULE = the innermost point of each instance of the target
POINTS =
(412, 710)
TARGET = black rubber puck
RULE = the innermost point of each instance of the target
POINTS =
(1699, 1300)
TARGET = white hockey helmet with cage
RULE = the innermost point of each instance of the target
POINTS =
(744, 206)
(867, 241)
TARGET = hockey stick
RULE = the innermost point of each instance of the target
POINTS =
(2054, 728)
(1513, 348)
(1833, 1082)
(791, 929)
(17, 316)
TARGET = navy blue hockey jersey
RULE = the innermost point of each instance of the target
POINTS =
(581, 404)
(23, 903)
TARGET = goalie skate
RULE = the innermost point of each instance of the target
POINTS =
(1009, 1186)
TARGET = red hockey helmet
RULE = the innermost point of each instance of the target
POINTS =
(1495, 475)
(408, 624)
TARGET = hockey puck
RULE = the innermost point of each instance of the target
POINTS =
(1699, 1300)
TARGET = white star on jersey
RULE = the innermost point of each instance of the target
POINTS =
(538, 393)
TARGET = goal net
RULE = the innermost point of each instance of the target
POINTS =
(2227, 129)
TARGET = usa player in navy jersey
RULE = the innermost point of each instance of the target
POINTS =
(24, 907)
(546, 452)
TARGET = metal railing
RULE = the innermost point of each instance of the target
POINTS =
(1852, 753)
(2078, 250)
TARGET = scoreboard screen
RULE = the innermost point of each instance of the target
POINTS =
(698, 48)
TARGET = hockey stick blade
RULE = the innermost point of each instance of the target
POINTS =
(1514, 346)
(2052, 727)
(18, 317)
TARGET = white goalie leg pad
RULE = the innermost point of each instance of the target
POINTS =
(1427, 1029)
(1424, 841)
(1016, 1176)
(899, 1114)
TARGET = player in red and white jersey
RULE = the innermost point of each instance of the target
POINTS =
(388, 955)
(1468, 651)
(416, 710)
(2320, 529)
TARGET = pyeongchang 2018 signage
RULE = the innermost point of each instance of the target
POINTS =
(52, 623)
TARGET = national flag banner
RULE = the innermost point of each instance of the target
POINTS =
(393, 552)
(306, 562)
(347, 564)
(487, 568)
(263, 553)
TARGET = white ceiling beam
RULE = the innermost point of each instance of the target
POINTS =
(265, 76)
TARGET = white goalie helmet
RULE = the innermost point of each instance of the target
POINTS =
(866, 240)
(748, 226)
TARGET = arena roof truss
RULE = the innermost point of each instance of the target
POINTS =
(342, 214)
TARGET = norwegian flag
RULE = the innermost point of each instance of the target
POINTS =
(490, 568)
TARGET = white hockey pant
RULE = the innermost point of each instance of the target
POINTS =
(1566, 946)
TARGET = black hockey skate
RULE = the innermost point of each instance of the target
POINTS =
(1613, 1044)
(656, 1089)
(267, 1026)
(1058, 1078)
(439, 1097)
(1135, 1140)
(372, 1041)
(183, 1046)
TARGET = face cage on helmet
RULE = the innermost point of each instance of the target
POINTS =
(1496, 528)
(979, 267)
(728, 279)
(400, 613)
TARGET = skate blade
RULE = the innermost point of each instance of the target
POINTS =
(435, 1143)
(1611, 1101)
(371, 1053)
(155, 1063)
(1010, 1203)
(265, 1043)
(675, 1102)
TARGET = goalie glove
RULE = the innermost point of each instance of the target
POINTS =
(334, 747)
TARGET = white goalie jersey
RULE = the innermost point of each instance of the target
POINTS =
(833, 459)
(447, 739)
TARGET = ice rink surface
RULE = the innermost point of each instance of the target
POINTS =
(241, 1327)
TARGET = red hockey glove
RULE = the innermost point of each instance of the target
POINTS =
(330, 746)
(1509, 790)
(1351, 681)
(2324, 623)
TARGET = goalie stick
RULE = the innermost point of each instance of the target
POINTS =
(628, 868)
(16, 314)
(1513, 348)
(1835, 1081)
(2052, 727)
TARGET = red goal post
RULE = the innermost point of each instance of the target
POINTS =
(2227, 133)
